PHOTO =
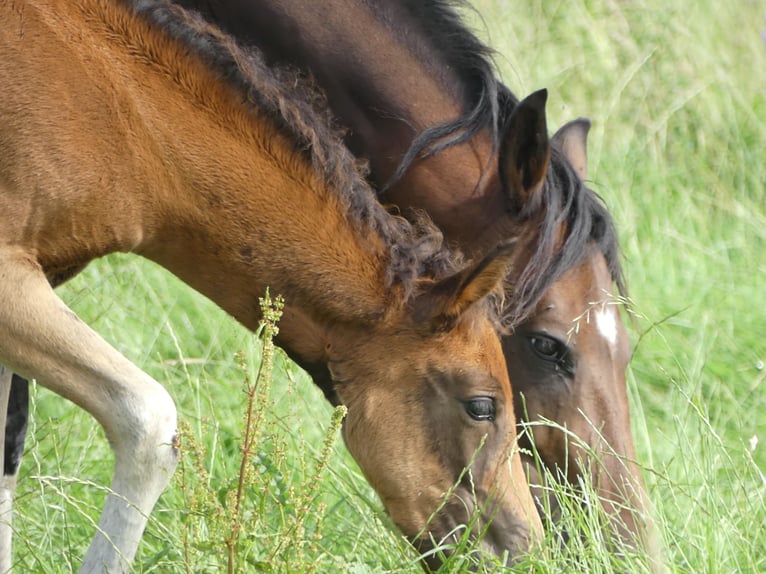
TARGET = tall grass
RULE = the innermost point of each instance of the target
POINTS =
(678, 151)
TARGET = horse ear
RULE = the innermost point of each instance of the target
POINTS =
(572, 140)
(444, 302)
(525, 150)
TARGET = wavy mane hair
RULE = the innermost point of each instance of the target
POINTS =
(488, 103)
(300, 111)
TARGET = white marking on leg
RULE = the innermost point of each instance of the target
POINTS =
(145, 457)
(606, 323)
(7, 483)
(7, 489)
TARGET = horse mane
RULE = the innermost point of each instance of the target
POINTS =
(586, 221)
(299, 110)
(489, 103)
(485, 97)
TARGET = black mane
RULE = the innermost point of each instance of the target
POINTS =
(587, 222)
(486, 100)
(488, 104)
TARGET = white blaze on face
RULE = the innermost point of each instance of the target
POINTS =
(606, 323)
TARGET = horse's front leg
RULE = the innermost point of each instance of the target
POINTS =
(42, 339)
(6, 487)
(17, 408)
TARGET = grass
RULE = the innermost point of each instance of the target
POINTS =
(675, 91)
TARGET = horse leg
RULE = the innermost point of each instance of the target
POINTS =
(15, 402)
(6, 487)
(42, 338)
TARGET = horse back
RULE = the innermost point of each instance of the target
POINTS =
(100, 129)
(68, 149)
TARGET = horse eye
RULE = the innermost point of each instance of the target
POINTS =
(553, 352)
(481, 408)
(547, 347)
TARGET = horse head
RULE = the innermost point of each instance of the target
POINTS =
(434, 431)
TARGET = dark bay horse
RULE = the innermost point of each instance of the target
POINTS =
(420, 100)
(154, 133)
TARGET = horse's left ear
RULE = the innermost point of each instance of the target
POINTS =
(572, 140)
(442, 304)
(525, 151)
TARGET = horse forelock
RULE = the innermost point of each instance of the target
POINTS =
(568, 206)
(299, 110)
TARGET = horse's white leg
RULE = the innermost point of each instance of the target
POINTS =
(41, 338)
(7, 484)
(14, 403)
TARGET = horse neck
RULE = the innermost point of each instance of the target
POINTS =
(386, 81)
(231, 204)
(242, 221)
(234, 244)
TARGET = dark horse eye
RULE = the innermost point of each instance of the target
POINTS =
(481, 408)
(551, 350)
(546, 347)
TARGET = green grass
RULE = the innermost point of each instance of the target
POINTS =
(678, 150)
